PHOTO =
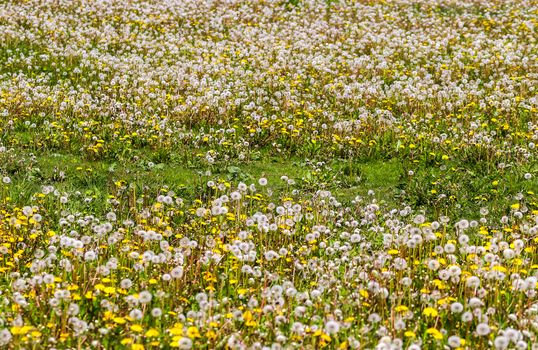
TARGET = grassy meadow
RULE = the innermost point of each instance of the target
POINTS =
(268, 174)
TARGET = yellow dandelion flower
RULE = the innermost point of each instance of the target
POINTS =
(152, 333)
(126, 341)
(430, 312)
(119, 320)
(192, 332)
(401, 308)
(136, 328)
(435, 333)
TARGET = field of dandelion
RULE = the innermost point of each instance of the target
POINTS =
(268, 174)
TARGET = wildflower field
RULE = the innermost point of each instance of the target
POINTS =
(268, 174)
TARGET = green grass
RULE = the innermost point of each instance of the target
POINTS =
(470, 186)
